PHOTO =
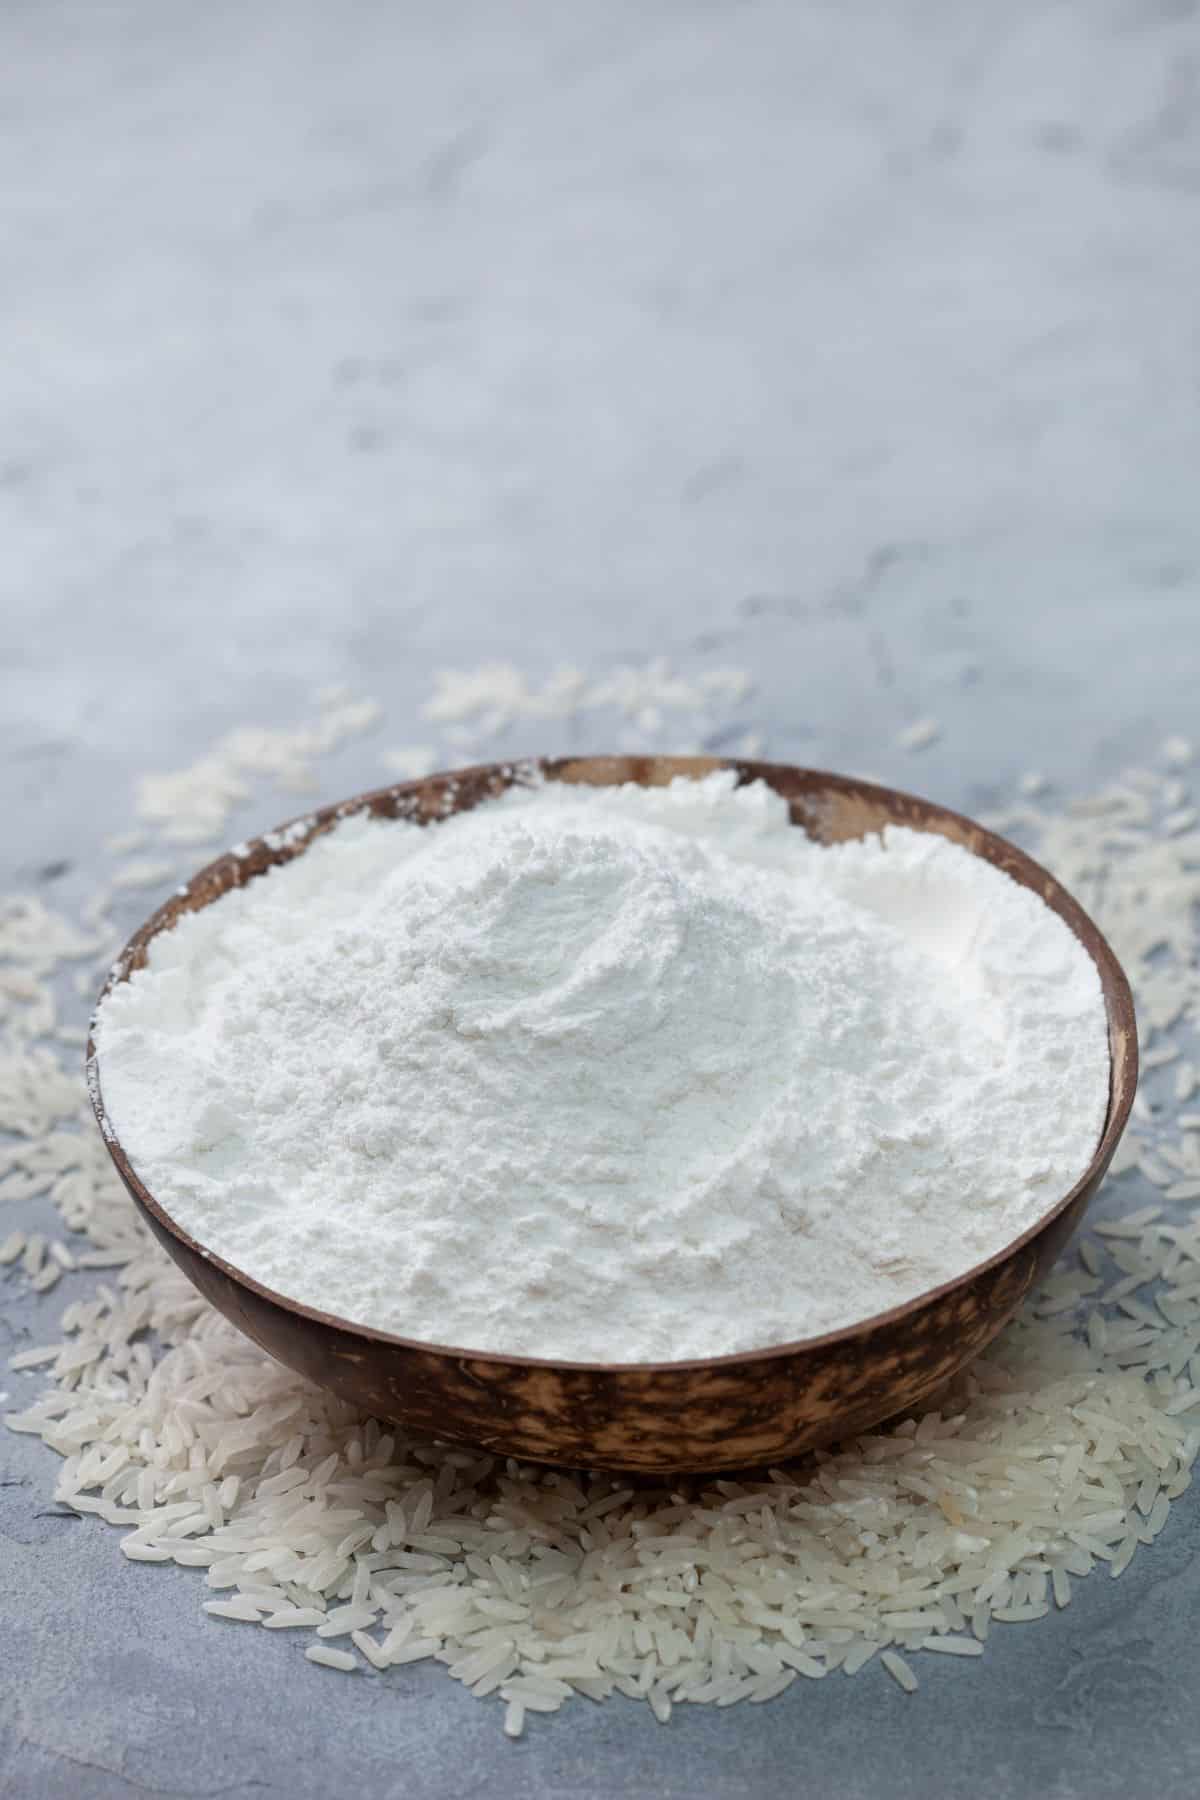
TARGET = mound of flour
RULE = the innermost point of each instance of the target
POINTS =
(610, 1074)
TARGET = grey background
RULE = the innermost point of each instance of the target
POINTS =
(857, 345)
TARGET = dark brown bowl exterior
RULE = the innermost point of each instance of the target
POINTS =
(729, 1412)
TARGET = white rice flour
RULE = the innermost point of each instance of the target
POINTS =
(610, 1073)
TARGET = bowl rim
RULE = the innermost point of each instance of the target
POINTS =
(293, 837)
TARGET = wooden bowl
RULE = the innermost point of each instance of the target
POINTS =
(724, 1412)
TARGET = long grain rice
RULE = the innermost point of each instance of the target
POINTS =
(1060, 1450)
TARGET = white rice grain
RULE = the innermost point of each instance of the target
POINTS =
(900, 1670)
(331, 1659)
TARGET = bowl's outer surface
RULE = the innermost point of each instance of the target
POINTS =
(729, 1412)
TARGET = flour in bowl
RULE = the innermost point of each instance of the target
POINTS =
(610, 1074)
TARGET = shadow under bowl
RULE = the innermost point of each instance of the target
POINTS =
(747, 1410)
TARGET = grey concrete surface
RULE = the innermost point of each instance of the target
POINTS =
(855, 345)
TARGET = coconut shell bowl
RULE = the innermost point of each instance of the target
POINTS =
(743, 1411)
